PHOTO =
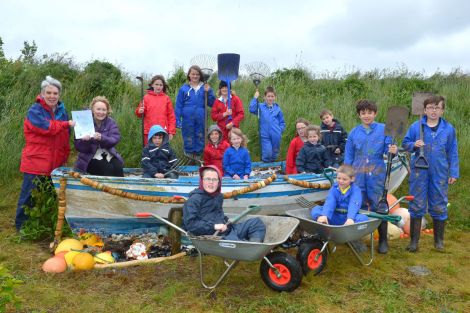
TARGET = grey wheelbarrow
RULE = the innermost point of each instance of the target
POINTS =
(279, 270)
(312, 249)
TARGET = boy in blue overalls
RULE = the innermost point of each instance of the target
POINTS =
(365, 149)
(429, 186)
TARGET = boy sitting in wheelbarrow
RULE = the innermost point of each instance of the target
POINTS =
(343, 201)
(203, 213)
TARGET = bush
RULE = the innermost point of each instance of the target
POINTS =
(7, 289)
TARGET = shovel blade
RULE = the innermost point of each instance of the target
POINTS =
(228, 65)
(382, 206)
(397, 121)
(417, 107)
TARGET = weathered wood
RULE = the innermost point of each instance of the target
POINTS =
(176, 217)
(139, 262)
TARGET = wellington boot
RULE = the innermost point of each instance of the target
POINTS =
(415, 229)
(439, 234)
(383, 242)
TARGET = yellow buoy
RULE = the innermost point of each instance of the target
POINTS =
(83, 262)
(69, 245)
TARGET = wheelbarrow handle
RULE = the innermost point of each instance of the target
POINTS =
(161, 219)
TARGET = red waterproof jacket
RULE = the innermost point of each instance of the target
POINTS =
(214, 154)
(218, 109)
(158, 110)
(294, 147)
(47, 136)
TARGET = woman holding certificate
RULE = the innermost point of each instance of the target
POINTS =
(97, 153)
(46, 130)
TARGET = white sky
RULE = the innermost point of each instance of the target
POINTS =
(324, 36)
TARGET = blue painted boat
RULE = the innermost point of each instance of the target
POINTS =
(93, 210)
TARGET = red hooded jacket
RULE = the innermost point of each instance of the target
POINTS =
(294, 148)
(47, 136)
(158, 110)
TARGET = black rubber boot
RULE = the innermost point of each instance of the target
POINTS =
(383, 242)
(415, 229)
(439, 234)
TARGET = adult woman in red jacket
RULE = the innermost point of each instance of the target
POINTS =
(46, 131)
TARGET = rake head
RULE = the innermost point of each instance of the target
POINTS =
(207, 63)
(257, 71)
(304, 203)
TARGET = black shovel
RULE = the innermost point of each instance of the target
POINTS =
(396, 124)
(417, 108)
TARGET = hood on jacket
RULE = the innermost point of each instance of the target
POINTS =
(219, 187)
(214, 128)
(155, 129)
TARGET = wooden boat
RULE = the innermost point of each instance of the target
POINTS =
(105, 205)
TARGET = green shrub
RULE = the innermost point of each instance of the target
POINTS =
(8, 283)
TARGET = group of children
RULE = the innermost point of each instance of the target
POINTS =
(364, 171)
(360, 180)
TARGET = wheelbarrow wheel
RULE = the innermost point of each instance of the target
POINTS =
(310, 257)
(290, 273)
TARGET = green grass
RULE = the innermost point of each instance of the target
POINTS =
(344, 286)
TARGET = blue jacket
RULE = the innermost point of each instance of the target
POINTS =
(190, 103)
(271, 120)
(236, 162)
(365, 149)
(350, 201)
(440, 147)
(157, 159)
(202, 211)
(312, 158)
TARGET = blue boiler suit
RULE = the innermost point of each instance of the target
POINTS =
(430, 186)
(272, 125)
(339, 207)
(365, 149)
(189, 111)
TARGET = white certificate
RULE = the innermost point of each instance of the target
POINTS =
(84, 123)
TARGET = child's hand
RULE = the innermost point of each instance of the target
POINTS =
(452, 180)
(86, 137)
(141, 110)
(256, 94)
(206, 87)
(322, 219)
(72, 123)
(159, 175)
(349, 221)
(228, 112)
(245, 177)
(337, 151)
(229, 125)
(236, 176)
(393, 149)
(97, 136)
(220, 227)
(419, 143)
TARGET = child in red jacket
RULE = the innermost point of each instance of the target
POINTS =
(215, 148)
(157, 108)
(227, 117)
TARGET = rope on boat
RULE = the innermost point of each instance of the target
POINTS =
(135, 196)
(252, 187)
(306, 184)
(124, 194)
(62, 206)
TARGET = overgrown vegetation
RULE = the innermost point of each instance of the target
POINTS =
(8, 284)
(385, 286)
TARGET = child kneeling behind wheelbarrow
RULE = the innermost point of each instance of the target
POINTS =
(342, 203)
(203, 212)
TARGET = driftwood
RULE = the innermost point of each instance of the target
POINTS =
(139, 262)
